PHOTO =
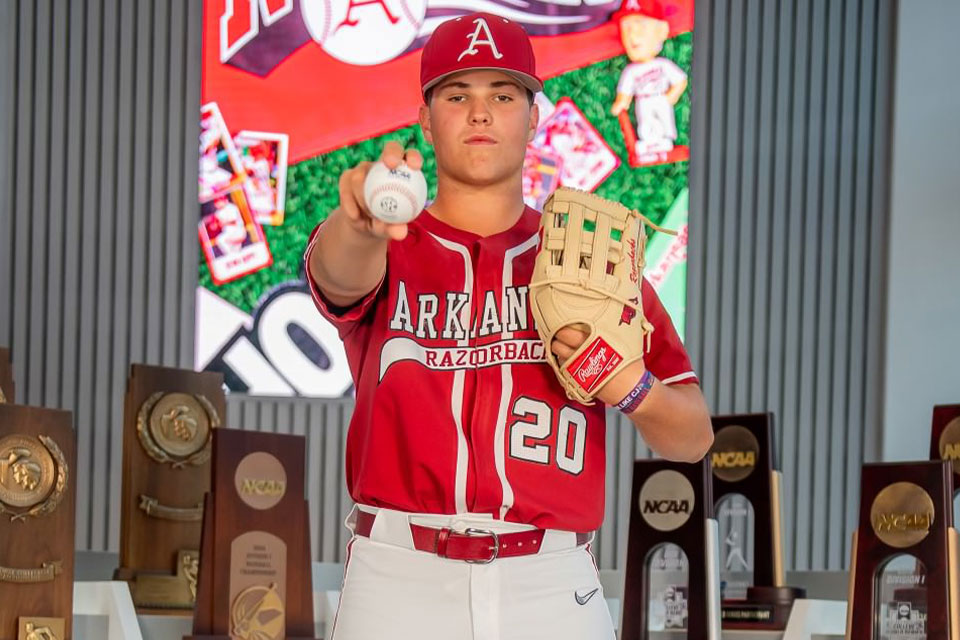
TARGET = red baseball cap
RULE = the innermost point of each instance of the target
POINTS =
(478, 41)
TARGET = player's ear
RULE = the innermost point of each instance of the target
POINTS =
(424, 117)
(534, 121)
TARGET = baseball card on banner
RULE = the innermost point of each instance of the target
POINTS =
(294, 94)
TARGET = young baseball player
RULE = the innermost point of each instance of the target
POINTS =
(478, 483)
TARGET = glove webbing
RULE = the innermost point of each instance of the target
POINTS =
(585, 282)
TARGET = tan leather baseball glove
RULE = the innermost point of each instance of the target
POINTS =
(587, 274)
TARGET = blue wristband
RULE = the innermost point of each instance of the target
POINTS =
(633, 399)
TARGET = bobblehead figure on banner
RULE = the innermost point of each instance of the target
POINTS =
(653, 82)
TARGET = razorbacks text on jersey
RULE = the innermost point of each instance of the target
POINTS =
(457, 411)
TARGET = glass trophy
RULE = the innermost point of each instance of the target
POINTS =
(668, 585)
(736, 520)
(902, 599)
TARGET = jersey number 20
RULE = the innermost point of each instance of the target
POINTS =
(533, 427)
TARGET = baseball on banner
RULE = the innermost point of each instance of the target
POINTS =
(395, 196)
(363, 32)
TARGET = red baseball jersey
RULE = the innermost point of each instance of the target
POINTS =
(457, 410)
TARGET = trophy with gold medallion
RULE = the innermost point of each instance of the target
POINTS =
(904, 575)
(670, 583)
(945, 445)
(255, 572)
(6, 377)
(37, 497)
(746, 491)
(169, 419)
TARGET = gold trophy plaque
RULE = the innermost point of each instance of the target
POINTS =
(33, 628)
(255, 580)
(904, 573)
(6, 377)
(37, 498)
(169, 419)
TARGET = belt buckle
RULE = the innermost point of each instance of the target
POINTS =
(496, 544)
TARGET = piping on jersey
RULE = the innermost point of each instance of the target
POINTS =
(456, 395)
(677, 378)
(506, 384)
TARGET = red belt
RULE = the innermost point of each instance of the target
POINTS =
(472, 545)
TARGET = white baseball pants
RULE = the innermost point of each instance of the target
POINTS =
(392, 591)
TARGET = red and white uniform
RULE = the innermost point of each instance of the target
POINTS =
(460, 423)
(457, 410)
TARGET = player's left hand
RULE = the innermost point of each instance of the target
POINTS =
(565, 343)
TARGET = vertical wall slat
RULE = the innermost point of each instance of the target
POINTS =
(56, 205)
(728, 211)
(20, 221)
(882, 107)
(8, 144)
(103, 421)
(827, 270)
(39, 197)
(769, 54)
(746, 220)
(72, 211)
(173, 213)
(840, 358)
(156, 148)
(89, 170)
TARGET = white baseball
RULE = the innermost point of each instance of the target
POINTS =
(395, 195)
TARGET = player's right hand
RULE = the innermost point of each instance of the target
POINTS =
(352, 203)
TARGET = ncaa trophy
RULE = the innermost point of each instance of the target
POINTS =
(904, 574)
(255, 572)
(746, 492)
(671, 581)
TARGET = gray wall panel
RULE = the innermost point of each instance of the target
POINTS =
(97, 248)
(788, 210)
(789, 178)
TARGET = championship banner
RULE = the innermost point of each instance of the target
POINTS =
(296, 91)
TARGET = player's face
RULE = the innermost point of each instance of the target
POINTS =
(643, 36)
(479, 123)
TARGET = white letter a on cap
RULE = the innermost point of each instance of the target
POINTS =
(475, 40)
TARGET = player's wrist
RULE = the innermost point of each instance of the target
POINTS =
(635, 397)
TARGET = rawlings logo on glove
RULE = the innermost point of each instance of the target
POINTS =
(587, 275)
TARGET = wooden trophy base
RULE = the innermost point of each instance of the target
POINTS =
(764, 609)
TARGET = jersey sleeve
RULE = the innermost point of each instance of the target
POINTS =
(667, 358)
(674, 73)
(345, 319)
(625, 85)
